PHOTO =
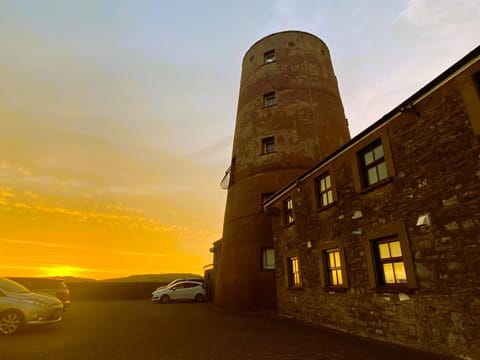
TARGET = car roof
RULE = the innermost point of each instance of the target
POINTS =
(187, 282)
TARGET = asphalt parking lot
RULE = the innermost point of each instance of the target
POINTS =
(124, 330)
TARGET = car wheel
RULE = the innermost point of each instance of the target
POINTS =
(164, 299)
(10, 322)
(199, 298)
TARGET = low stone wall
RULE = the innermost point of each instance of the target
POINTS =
(112, 291)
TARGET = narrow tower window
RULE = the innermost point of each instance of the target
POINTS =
(269, 56)
(269, 99)
(268, 145)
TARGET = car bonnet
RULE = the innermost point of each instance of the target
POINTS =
(51, 300)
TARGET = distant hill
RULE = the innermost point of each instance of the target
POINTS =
(160, 278)
(73, 279)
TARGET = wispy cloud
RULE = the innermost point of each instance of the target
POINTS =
(146, 254)
(40, 244)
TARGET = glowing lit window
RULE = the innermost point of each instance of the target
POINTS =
(269, 57)
(324, 190)
(373, 164)
(293, 272)
(334, 268)
(268, 259)
(389, 261)
(269, 99)
(288, 212)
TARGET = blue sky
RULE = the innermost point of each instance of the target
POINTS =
(134, 102)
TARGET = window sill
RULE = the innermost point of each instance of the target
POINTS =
(326, 207)
(288, 225)
(269, 106)
(335, 289)
(269, 153)
(268, 269)
(376, 185)
(295, 288)
(394, 289)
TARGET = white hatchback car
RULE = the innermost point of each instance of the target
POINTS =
(180, 291)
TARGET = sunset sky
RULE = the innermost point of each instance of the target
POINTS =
(117, 117)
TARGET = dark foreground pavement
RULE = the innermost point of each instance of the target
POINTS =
(124, 330)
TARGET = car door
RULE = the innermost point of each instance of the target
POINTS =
(191, 289)
(177, 292)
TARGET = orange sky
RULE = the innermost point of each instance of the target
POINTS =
(70, 205)
(117, 117)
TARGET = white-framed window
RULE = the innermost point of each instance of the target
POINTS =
(268, 259)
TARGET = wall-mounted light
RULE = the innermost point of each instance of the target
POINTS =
(309, 244)
(424, 219)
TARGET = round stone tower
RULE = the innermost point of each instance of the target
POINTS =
(290, 116)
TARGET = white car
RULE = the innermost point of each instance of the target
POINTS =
(180, 291)
(173, 282)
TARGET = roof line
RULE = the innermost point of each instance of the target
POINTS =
(282, 32)
(419, 95)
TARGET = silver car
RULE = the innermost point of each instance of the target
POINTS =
(19, 306)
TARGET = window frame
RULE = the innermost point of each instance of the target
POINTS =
(380, 262)
(265, 265)
(266, 142)
(324, 266)
(268, 97)
(319, 193)
(398, 230)
(268, 55)
(294, 279)
(355, 156)
(374, 164)
(288, 211)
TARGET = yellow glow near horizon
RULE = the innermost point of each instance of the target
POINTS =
(61, 270)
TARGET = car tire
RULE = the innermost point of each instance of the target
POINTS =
(199, 298)
(164, 299)
(10, 322)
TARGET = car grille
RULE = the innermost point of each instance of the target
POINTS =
(55, 315)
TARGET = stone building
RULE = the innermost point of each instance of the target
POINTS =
(381, 238)
(289, 116)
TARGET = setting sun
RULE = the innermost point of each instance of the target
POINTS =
(61, 270)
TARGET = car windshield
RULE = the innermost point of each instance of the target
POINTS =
(171, 283)
(12, 286)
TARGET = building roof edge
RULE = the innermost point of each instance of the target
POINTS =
(423, 91)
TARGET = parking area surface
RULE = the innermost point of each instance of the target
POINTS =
(124, 330)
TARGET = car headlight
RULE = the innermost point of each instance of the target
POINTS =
(35, 302)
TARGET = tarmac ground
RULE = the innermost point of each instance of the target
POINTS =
(140, 330)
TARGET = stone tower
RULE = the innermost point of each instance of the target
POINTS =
(289, 117)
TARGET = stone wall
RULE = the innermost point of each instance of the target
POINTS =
(433, 158)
